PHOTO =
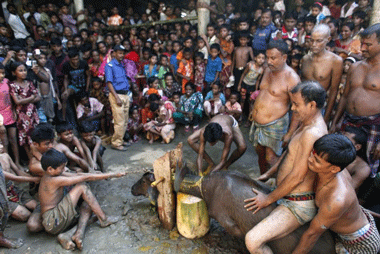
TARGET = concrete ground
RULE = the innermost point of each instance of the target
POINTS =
(139, 230)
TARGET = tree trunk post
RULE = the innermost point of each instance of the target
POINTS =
(78, 7)
(375, 15)
(203, 17)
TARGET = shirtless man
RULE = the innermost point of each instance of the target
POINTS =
(270, 111)
(241, 57)
(339, 208)
(295, 182)
(360, 101)
(323, 66)
(359, 168)
(223, 128)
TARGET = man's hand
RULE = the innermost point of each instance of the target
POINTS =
(117, 175)
(257, 203)
(10, 54)
(65, 95)
(263, 178)
(285, 139)
(376, 151)
(35, 69)
(118, 101)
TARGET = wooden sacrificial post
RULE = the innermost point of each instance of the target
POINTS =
(164, 167)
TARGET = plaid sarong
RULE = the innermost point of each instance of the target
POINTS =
(367, 240)
(270, 134)
(371, 125)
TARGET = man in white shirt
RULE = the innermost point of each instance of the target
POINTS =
(17, 23)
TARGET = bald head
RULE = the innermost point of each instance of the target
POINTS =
(322, 29)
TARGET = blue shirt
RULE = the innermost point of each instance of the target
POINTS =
(174, 62)
(262, 37)
(116, 74)
(212, 67)
(210, 95)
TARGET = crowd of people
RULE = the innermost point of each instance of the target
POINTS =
(71, 79)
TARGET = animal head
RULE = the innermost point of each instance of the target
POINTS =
(142, 186)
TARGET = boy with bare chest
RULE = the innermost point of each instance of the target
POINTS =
(59, 210)
(242, 55)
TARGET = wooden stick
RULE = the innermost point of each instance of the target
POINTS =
(154, 184)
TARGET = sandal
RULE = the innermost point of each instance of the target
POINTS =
(119, 148)
(187, 128)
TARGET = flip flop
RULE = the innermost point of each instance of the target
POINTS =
(119, 148)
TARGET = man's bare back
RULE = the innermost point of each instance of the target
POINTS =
(359, 171)
(273, 101)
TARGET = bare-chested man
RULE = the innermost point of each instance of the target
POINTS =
(360, 101)
(323, 66)
(223, 128)
(339, 208)
(270, 111)
(295, 182)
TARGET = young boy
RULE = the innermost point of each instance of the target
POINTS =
(309, 24)
(92, 144)
(67, 139)
(316, 11)
(213, 67)
(91, 110)
(186, 70)
(240, 58)
(58, 210)
(288, 30)
(173, 58)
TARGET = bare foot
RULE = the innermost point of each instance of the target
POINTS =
(66, 242)
(77, 238)
(10, 243)
(108, 221)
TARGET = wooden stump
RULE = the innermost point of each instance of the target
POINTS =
(192, 216)
(164, 167)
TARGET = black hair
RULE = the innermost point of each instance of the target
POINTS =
(317, 5)
(168, 74)
(297, 57)
(267, 11)
(258, 52)
(96, 79)
(134, 107)
(153, 97)
(82, 94)
(11, 5)
(2, 66)
(191, 85)
(77, 36)
(350, 25)
(56, 41)
(374, 29)
(163, 56)
(52, 158)
(86, 127)
(359, 14)
(220, 16)
(14, 66)
(311, 19)
(311, 91)
(244, 34)
(73, 52)
(237, 95)
(177, 93)
(176, 42)
(290, 15)
(361, 136)
(85, 47)
(62, 127)
(211, 25)
(280, 45)
(336, 149)
(39, 43)
(331, 44)
(226, 26)
(151, 80)
(186, 50)
(42, 132)
(199, 54)
(153, 106)
(145, 49)
(217, 83)
(213, 132)
(215, 46)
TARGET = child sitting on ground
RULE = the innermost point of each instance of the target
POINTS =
(92, 145)
(153, 83)
(233, 107)
(58, 211)
(19, 201)
(91, 110)
(67, 138)
(214, 101)
(134, 126)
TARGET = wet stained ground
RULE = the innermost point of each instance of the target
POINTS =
(139, 230)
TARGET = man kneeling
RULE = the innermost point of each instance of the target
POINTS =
(339, 209)
(59, 210)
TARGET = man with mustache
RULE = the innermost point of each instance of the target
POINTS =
(323, 66)
(360, 102)
(270, 126)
